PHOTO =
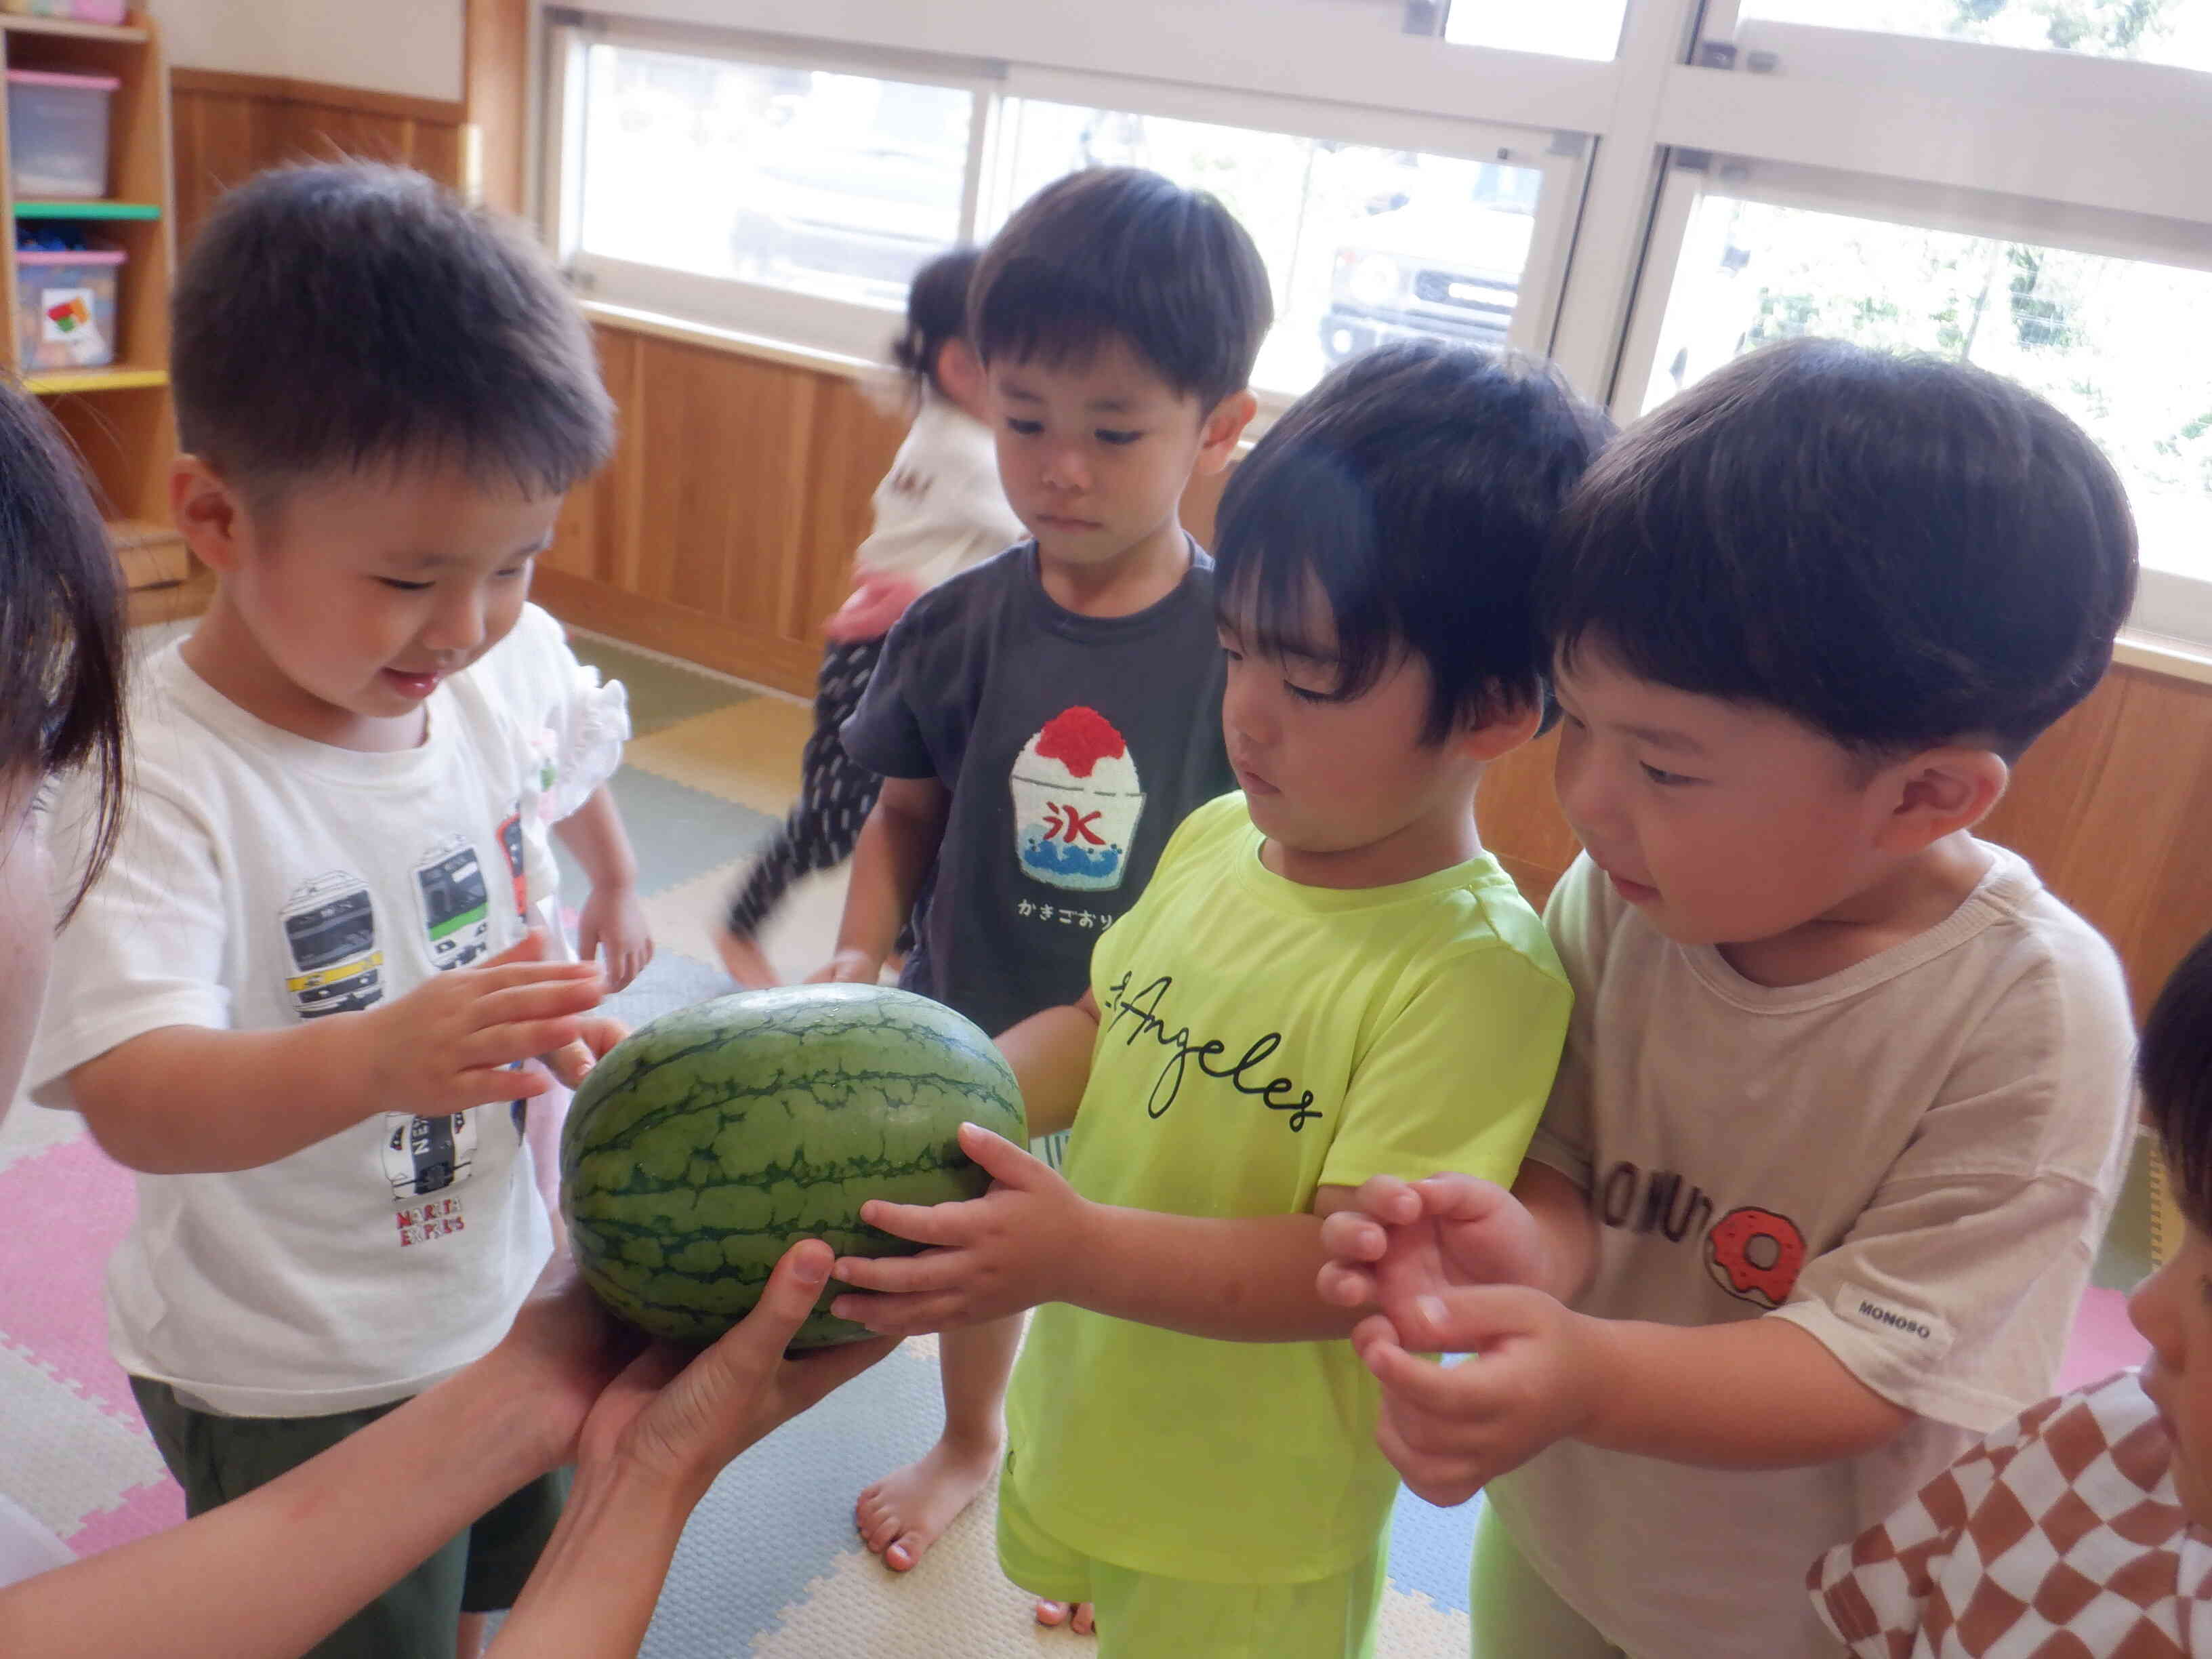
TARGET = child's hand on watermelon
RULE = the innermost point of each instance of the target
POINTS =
(849, 967)
(572, 1063)
(989, 1256)
(446, 1045)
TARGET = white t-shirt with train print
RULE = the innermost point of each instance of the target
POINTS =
(263, 879)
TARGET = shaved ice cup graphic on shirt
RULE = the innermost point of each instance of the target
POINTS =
(1077, 800)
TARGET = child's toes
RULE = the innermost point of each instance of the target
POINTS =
(1085, 1622)
(1054, 1614)
(872, 1518)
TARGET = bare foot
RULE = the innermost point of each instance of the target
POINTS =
(1056, 1614)
(746, 961)
(906, 1511)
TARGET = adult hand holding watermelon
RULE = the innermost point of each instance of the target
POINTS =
(654, 1439)
(711, 1139)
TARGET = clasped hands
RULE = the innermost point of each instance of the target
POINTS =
(1450, 1263)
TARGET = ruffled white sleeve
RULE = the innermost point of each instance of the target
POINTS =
(571, 725)
(587, 736)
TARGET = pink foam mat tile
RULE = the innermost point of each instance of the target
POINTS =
(155, 1507)
(2103, 1340)
(78, 1202)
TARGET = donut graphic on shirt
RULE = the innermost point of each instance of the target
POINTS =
(1077, 803)
(1755, 1255)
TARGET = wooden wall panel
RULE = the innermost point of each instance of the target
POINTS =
(853, 444)
(495, 80)
(2109, 807)
(229, 127)
(727, 518)
(725, 526)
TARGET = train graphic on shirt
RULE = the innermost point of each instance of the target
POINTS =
(456, 904)
(330, 930)
(510, 843)
(428, 1154)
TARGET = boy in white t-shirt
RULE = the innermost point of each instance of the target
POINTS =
(1845, 1090)
(292, 1000)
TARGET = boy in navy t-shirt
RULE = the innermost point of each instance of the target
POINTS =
(1045, 721)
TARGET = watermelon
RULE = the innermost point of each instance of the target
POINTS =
(707, 1141)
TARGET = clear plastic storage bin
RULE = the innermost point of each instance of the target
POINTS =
(57, 134)
(66, 307)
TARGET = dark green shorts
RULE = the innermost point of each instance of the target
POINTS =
(216, 1459)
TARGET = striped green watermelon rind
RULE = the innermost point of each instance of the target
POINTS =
(709, 1141)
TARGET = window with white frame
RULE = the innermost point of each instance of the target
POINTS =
(1364, 244)
(1643, 188)
(754, 189)
(1568, 28)
(802, 178)
(2109, 340)
(2177, 32)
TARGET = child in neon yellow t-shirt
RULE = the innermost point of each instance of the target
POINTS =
(1328, 979)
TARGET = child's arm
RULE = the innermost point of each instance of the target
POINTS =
(1031, 1240)
(182, 1099)
(1759, 1394)
(878, 600)
(896, 848)
(1050, 1053)
(611, 916)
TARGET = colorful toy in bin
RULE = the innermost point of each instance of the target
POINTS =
(65, 307)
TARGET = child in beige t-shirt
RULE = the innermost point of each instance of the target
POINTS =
(1846, 1092)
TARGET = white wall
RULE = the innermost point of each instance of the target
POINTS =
(391, 46)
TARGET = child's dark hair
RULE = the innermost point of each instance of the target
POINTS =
(1119, 252)
(1898, 550)
(1415, 488)
(936, 312)
(61, 624)
(352, 315)
(2175, 1066)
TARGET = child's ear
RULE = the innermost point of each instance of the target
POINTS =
(1941, 791)
(1219, 433)
(208, 513)
(960, 371)
(1501, 734)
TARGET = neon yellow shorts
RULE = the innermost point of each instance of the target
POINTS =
(1144, 1615)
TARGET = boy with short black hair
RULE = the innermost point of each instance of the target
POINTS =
(292, 1000)
(1043, 720)
(1846, 1089)
(1328, 979)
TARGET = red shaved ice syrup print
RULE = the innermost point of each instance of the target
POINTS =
(1077, 803)
(1079, 739)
